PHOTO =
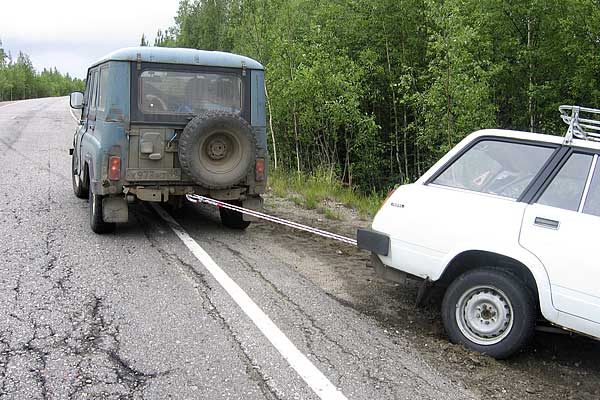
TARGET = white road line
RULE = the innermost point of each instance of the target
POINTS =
(73, 115)
(307, 370)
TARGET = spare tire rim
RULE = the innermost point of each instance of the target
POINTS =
(220, 152)
(484, 315)
(217, 148)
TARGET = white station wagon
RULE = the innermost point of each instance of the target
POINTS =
(508, 223)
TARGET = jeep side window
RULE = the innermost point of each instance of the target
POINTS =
(86, 95)
(102, 89)
(93, 96)
(592, 202)
(566, 188)
(496, 167)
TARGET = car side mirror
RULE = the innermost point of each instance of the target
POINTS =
(76, 100)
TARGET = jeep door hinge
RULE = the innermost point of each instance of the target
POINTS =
(243, 68)
(139, 61)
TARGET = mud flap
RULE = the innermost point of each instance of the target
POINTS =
(114, 209)
(254, 203)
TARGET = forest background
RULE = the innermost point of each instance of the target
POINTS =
(372, 92)
(367, 94)
(19, 80)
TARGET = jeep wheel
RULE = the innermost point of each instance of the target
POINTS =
(96, 222)
(217, 149)
(490, 311)
(233, 219)
(78, 184)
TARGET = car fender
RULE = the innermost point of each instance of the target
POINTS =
(519, 254)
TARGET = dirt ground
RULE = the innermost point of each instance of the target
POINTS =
(553, 366)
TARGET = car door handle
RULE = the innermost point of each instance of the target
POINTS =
(546, 223)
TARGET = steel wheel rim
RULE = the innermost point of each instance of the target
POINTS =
(220, 153)
(484, 315)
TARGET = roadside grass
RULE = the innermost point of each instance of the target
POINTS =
(331, 214)
(312, 191)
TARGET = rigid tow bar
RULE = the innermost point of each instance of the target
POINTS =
(195, 198)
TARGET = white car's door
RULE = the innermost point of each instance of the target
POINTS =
(562, 228)
(470, 202)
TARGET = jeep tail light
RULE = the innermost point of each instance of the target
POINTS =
(114, 168)
(260, 169)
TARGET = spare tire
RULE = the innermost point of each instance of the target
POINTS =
(217, 149)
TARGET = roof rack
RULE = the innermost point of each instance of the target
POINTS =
(586, 127)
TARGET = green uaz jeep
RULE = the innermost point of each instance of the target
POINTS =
(160, 123)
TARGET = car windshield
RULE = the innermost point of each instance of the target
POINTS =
(177, 92)
(496, 167)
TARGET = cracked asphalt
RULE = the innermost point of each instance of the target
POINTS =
(134, 315)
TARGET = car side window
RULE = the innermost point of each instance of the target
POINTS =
(102, 89)
(592, 202)
(86, 94)
(94, 97)
(496, 167)
(567, 186)
(93, 93)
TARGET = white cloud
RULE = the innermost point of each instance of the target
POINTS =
(70, 35)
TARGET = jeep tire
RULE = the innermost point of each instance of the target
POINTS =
(96, 221)
(233, 219)
(79, 184)
(489, 310)
(217, 149)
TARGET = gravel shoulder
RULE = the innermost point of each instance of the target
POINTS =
(554, 366)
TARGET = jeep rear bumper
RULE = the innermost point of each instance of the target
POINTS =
(161, 193)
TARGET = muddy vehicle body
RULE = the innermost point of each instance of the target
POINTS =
(160, 123)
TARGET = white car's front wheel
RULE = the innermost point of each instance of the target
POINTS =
(489, 310)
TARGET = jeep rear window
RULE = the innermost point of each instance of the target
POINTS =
(178, 92)
(496, 167)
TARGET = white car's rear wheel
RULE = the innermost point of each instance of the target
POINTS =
(490, 311)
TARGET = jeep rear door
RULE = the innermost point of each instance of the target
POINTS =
(562, 228)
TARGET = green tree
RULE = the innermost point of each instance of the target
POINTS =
(165, 38)
(19, 80)
(374, 91)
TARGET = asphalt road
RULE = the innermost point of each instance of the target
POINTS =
(135, 314)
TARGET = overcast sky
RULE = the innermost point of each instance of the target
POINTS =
(70, 35)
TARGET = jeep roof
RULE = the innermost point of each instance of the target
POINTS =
(169, 55)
